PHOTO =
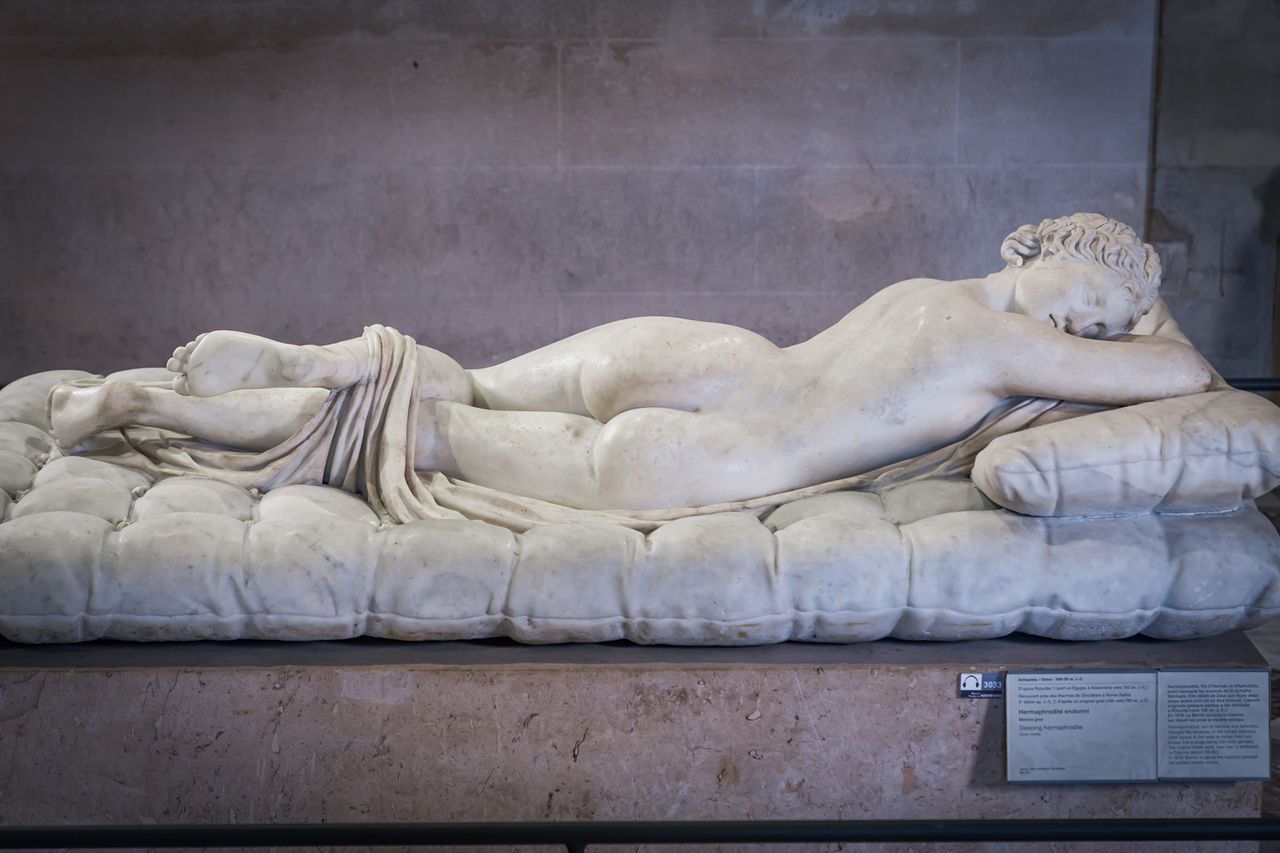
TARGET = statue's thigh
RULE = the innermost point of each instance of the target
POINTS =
(660, 457)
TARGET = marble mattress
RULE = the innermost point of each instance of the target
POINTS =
(1132, 521)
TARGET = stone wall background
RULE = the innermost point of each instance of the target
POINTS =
(1215, 214)
(490, 176)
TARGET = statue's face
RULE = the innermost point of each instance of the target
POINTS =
(1079, 297)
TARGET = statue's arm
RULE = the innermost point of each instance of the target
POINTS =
(1040, 361)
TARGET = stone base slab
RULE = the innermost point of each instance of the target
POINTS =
(492, 731)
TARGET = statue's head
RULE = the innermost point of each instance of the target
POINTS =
(1087, 274)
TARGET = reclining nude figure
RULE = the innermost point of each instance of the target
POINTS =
(661, 412)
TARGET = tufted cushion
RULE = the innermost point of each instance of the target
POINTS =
(16, 472)
(99, 497)
(194, 495)
(80, 468)
(25, 440)
(26, 400)
(90, 549)
(318, 501)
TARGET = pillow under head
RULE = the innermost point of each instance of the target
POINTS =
(1204, 452)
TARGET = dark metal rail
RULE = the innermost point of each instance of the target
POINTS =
(1255, 383)
(576, 836)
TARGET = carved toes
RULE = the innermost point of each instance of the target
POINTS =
(180, 361)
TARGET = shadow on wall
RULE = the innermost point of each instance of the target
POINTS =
(1268, 195)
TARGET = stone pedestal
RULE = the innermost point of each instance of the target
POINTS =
(492, 731)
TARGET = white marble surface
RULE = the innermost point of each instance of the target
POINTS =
(1092, 523)
(655, 413)
(932, 560)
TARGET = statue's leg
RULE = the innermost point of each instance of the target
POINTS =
(643, 458)
(442, 378)
(645, 362)
(217, 362)
(249, 420)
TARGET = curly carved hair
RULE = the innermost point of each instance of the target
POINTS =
(1097, 239)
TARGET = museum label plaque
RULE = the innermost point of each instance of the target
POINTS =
(1081, 726)
(1213, 724)
(1126, 726)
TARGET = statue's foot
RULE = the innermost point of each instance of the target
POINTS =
(80, 411)
(218, 362)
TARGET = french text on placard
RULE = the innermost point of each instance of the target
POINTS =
(1081, 726)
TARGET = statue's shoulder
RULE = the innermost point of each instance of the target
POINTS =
(907, 291)
(928, 294)
(918, 284)
(923, 288)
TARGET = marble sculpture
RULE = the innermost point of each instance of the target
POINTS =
(1049, 411)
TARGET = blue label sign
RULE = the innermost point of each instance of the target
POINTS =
(981, 685)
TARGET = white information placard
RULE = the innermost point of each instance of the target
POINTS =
(1081, 726)
(1214, 724)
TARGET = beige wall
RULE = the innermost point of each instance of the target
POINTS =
(491, 176)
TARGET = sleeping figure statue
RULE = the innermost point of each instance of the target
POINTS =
(642, 417)
(1039, 450)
